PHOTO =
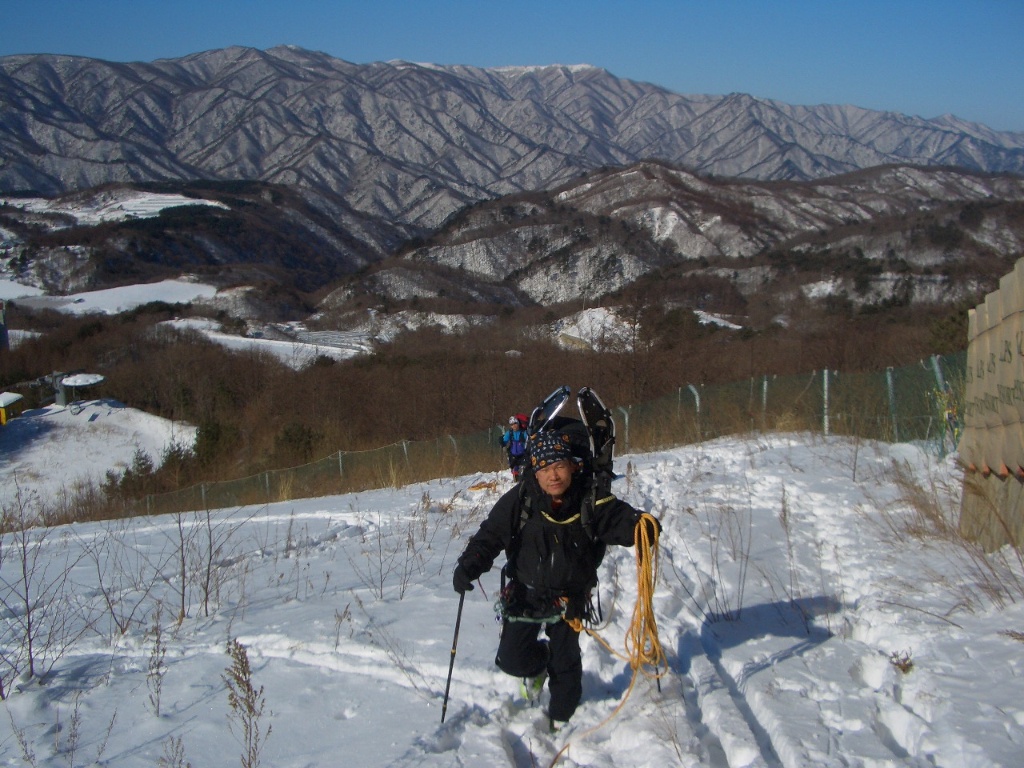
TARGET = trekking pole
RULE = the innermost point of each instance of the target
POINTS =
(451, 664)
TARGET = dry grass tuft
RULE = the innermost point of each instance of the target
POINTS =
(902, 661)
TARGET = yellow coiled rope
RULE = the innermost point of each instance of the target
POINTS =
(642, 644)
(643, 648)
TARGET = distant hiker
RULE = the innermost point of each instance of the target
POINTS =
(514, 441)
(554, 540)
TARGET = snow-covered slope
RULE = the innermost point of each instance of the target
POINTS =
(111, 301)
(116, 204)
(47, 450)
(297, 352)
(791, 589)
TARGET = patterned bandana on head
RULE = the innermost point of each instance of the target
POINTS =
(548, 447)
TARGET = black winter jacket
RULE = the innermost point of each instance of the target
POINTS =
(548, 554)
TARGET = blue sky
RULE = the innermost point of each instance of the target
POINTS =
(918, 57)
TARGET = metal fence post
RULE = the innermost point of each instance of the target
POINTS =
(824, 409)
(939, 378)
(696, 399)
(891, 388)
(625, 418)
(764, 403)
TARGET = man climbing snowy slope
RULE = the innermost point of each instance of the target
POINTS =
(554, 532)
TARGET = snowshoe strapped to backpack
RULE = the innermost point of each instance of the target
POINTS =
(596, 418)
(592, 436)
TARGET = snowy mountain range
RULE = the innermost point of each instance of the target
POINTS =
(295, 174)
(395, 146)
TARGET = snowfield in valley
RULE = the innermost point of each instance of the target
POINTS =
(791, 593)
(49, 450)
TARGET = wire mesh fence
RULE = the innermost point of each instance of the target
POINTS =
(919, 402)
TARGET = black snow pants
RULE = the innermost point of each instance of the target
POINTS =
(521, 653)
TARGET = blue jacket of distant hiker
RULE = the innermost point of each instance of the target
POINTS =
(514, 443)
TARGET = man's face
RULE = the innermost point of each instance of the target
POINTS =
(555, 478)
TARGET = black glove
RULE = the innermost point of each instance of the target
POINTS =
(652, 524)
(462, 580)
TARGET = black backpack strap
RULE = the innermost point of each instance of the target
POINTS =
(519, 517)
